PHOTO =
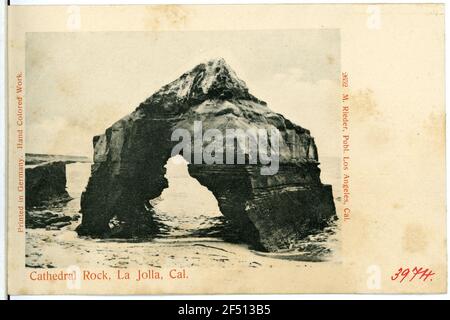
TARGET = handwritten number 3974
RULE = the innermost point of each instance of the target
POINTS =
(415, 273)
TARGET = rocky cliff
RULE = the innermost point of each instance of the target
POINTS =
(269, 211)
(45, 184)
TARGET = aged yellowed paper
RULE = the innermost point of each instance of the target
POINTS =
(226, 149)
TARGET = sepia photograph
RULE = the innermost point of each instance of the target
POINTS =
(216, 149)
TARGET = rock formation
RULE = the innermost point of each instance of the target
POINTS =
(268, 211)
(45, 184)
(46, 219)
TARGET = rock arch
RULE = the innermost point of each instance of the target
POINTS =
(129, 158)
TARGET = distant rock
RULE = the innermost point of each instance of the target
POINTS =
(45, 185)
(37, 158)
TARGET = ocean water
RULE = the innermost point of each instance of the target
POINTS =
(193, 235)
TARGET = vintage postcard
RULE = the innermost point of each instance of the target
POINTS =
(240, 149)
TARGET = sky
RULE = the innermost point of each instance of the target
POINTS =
(79, 84)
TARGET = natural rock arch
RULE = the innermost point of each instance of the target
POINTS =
(129, 158)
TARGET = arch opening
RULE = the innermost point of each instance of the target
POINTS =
(187, 209)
